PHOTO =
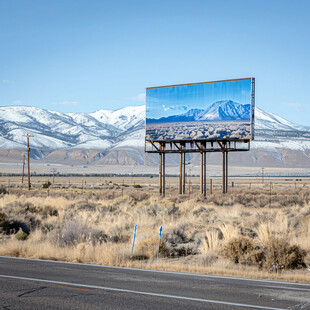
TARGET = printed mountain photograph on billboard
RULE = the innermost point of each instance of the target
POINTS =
(221, 110)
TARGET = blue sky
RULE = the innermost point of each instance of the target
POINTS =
(81, 56)
(166, 101)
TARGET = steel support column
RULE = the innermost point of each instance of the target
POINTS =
(164, 175)
(28, 162)
(201, 172)
(224, 172)
(180, 176)
(204, 174)
(184, 157)
(160, 174)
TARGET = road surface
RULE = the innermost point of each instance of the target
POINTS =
(38, 284)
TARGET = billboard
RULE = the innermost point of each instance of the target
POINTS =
(221, 110)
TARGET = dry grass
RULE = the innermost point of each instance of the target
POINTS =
(97, 227)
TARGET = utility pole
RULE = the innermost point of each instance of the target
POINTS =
(28, 160)
(23, 173)
(263, 170)
(53, 175)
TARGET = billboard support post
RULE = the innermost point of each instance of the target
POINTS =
(164, 175)
(162, 168)
(160, 174)
(180, 176)
(201, 172)
(226, 173)
(205, 174)
(184, 156)
(225, 168)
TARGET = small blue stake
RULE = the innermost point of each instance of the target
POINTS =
(159, 237)
(134, 239)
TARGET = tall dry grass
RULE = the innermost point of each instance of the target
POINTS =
(97, 227)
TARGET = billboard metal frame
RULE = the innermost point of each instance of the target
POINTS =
(202, 140)
(203, 146)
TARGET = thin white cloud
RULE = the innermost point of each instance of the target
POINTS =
(66, 103)
(140, 97)
(174, 108)
(8, 82)
(17, 102)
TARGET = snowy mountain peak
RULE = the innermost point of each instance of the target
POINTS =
(124, 118)
(226, 110)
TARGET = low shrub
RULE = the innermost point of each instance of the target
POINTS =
(47, 184)
(242, 250)
(279, 254)
(275, 255)
(9, 226)
(177, 243)
(137, 186)
(21, 236)
(73, 231)
(3, 190)
(138, 195)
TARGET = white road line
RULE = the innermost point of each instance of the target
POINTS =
(162, 271)
(286, 288)
(141, 293)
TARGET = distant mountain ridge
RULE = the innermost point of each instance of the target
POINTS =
(52, 130)
(224, 110)
(119, 135)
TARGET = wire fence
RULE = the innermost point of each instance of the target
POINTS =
(150, 184)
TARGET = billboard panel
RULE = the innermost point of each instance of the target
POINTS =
(222, 110)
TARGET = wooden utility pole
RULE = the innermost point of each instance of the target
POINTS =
(23, 172)
(28, 160)
(270, 195)
(53, 175)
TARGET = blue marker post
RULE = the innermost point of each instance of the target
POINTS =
(134, 239)
(159, 237)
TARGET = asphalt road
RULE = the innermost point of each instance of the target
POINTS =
(37, 284)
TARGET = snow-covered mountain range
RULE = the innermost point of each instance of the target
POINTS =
(124, 130)
(52, 130)
(218, 111)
